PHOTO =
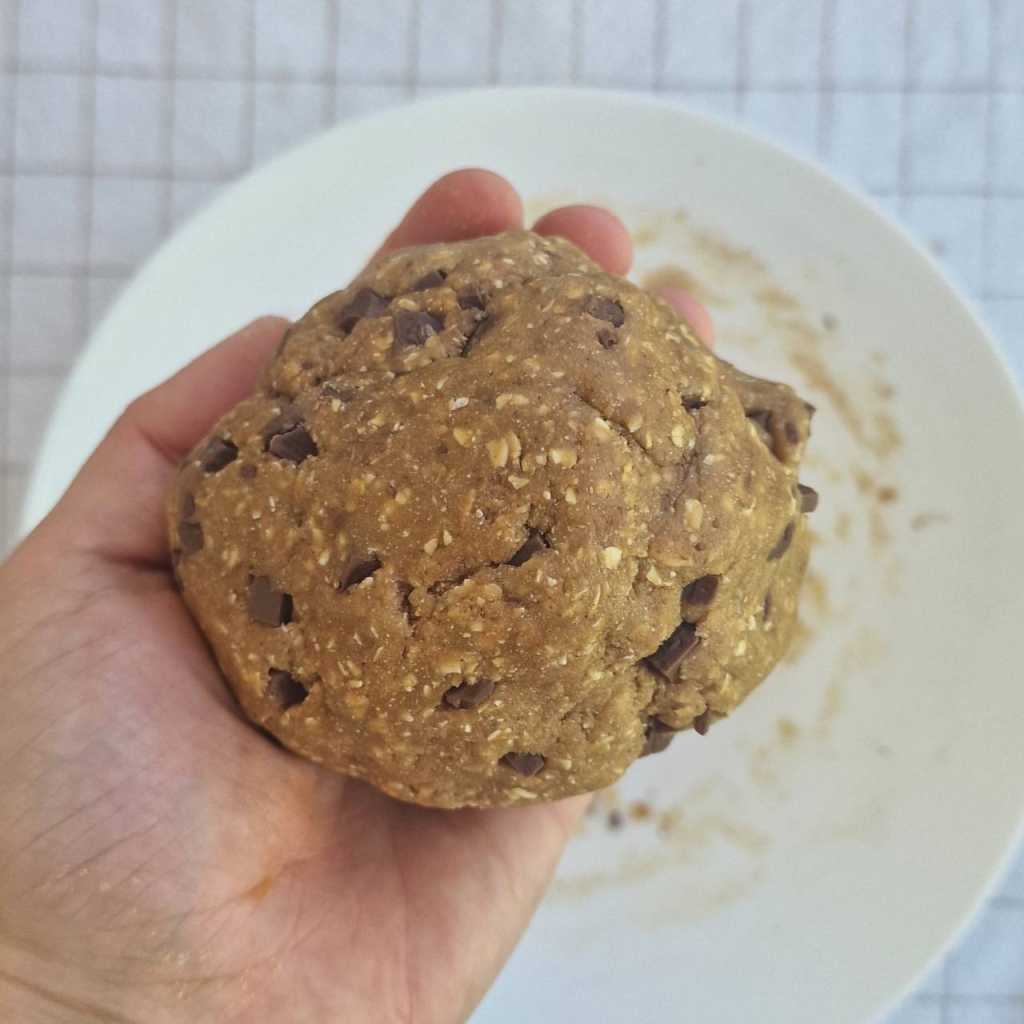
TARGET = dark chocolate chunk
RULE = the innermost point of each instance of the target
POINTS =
(606, 337)
(534, 544)
(190, 536)
(702, 723)
(602, 308)
(295, 445)
(811, 409)
(525, 764)
(791, 432)
(665, 660)
(767, 607)
(287, 419)
(412, 328)
(615, 819)
(267, 604)
(472, 298)
(763, 419)
(366, 304)
(657, 736)
(357, 571)
(469, 695)
(808, 498)
(284, 689)
(431, 279)
(218, 454)
(188, 505)
(247, 471)
(482, 325)
(693, 402)
(701, 591)
(782, 544)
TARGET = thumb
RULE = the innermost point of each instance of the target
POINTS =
(114, 507)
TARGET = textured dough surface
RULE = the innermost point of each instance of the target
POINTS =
(495, 525)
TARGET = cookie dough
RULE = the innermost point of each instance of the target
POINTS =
(495, 525)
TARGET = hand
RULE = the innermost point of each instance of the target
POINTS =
(160, 860)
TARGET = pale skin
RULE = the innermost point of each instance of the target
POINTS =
(161, 860)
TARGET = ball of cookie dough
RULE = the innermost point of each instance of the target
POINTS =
(495, 525)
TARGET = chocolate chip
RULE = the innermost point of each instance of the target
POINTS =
(247, 470)
(701, 591)
(702, 723)
(693, 403)
(606, 337)
(525, 764)
(188, 505)
(782, 544)
(295, 445)
(218, 453)
(267, 604)
(808, 498)
(615, 820)
(431, 279)
(287, 419)
(657, 736)
(190, 536)
(762, 418)
(483, 324)
(811, 409)
(602, 308)
(366, 304)
(358, 571)
(284, 689)
(469, 695)
(767, 606)
(791, 432)
(413, 328)
(533, 545)
(665, 660)
(471, 298)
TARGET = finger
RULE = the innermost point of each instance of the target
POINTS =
(598, 232)
(695, 314)
(115, 505)
(464, 204)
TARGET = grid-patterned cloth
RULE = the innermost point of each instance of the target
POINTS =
(119, 117)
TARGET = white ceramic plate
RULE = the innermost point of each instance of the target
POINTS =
(807, 859)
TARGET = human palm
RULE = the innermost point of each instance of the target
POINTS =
(161, 859)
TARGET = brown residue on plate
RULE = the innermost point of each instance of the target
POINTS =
(816, 591)
(922, 520)
(817, 375)
(830, 707)
(887, 494)
(842, 530)
(801, 641)
(777, 299)
(670, 276)
(788, 730)
(646, 234)
(640, 810)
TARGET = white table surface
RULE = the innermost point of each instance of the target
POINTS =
(120, 117)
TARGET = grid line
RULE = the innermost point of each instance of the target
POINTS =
(265, 76)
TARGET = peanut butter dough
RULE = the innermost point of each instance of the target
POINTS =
(495, 525)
